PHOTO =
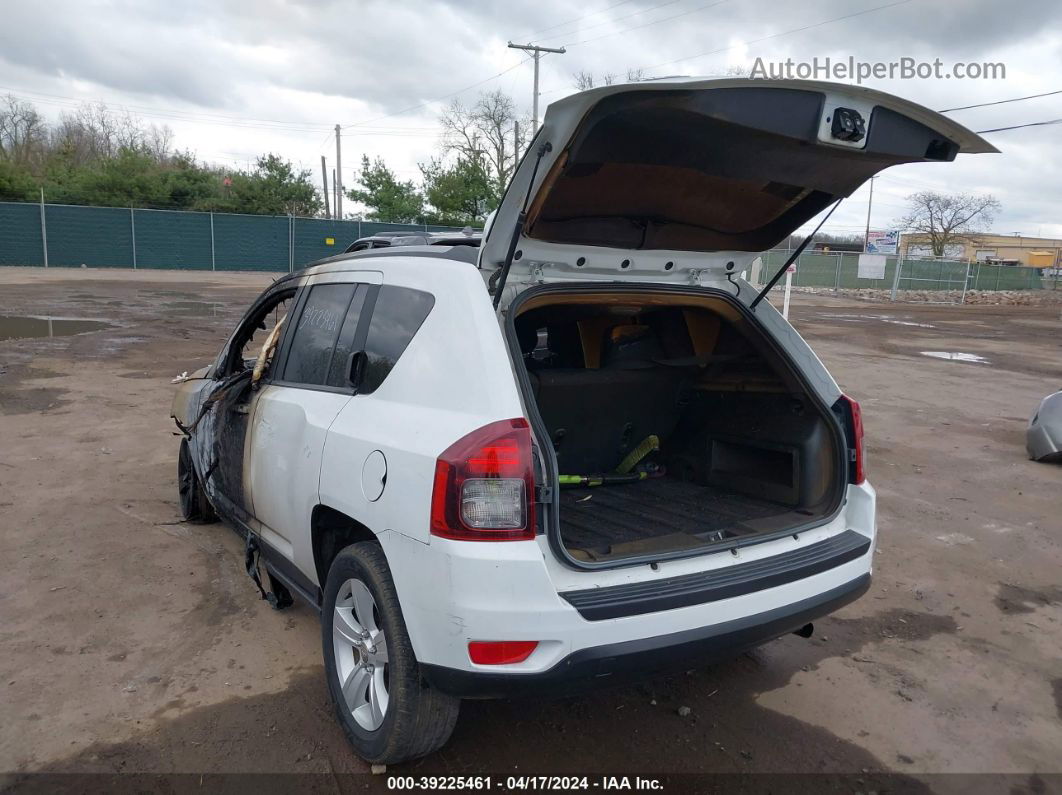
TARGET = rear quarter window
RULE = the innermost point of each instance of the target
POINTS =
(398, 314)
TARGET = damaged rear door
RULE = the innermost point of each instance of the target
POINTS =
(299, 399)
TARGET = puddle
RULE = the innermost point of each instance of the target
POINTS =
(880, 318)
(952, 356)
(14, 327)
(196, 308)
(905, 322)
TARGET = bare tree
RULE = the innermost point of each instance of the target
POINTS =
(158, 142)
(487, 133)
(585, 80)
(945, 218)
(94, 132)
(22, 131)
(87, 135)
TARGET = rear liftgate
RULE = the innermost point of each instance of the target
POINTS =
(664, 182)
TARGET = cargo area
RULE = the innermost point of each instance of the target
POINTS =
(675, 425)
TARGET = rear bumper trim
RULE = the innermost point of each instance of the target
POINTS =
(619, 663)
(596, 604)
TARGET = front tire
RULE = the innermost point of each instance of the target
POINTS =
(388, 712)
(191, 496)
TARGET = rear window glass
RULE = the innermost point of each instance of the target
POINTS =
(310, 355)
(398, 313)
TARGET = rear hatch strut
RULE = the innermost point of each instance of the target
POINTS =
(792, 257)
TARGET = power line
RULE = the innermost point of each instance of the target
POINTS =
(166, 113)
(908, 182)
(1002, 101)
(427, 102)
(764, 38)
(371, 134)
(783, 33)
(1020, 126)
(536, 33)
(647, 24)
(618, 19)
(268, 125)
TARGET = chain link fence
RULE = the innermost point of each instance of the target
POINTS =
(59, 235)
(74, 236)
(925, 279)
(935, 280)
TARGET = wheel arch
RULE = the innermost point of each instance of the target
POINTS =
(331, 531)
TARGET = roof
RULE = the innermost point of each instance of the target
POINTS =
(995, 239)
(340, 262)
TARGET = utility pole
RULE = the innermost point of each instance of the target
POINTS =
(335, 196)
(324, 184)
(516, 144)
(536, 51)
(870, 203)
(339, 174)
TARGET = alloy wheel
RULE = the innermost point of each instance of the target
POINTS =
(361, 654)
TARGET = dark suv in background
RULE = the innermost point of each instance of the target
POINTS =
(466, 237)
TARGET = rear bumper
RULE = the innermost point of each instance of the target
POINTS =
(618, 663)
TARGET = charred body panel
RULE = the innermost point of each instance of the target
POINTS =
(213, 410)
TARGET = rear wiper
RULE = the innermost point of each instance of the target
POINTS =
(792, 257)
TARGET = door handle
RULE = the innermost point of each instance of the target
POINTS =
(356, 368)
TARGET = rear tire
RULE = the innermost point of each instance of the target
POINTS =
(388, 712)
(191, 496)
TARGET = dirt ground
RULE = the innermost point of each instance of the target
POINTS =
(131, 642)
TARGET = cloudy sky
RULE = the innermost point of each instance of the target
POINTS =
(234, 79)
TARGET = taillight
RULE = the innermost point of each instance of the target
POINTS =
(484, 485)
(854, 432)
(500, 652)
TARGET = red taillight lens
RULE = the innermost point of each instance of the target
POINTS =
(858, 469)
(498, 459)
(500, 652)
(484, 485)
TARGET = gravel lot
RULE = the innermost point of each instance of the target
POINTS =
(131, 642)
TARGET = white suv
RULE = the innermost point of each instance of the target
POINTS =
(581, 453)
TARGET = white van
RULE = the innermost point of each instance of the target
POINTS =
(581, 453)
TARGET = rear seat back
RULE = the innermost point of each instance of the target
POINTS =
(596, 417)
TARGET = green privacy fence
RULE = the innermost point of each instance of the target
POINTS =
(60, 235)
(841, 271)
(71, 236)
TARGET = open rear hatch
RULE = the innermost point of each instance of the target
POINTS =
(627, 178)
(673, 424)
(672, 421)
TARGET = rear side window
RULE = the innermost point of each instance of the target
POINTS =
(398, 313)
(340, 367)
(323, 315)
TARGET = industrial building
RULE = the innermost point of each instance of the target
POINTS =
(1035, 252)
